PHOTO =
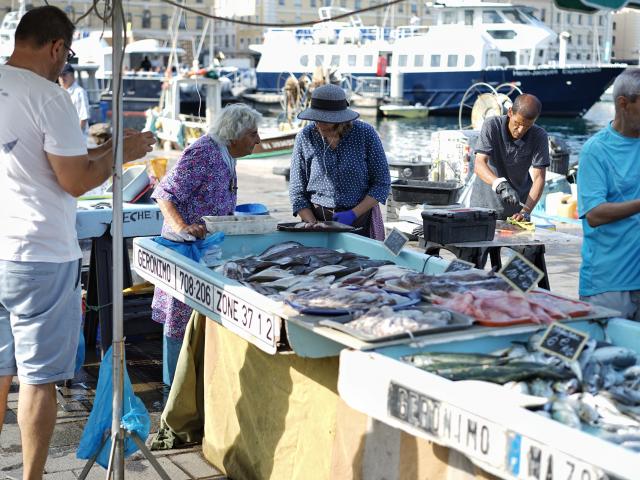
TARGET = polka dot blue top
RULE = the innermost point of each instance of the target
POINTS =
(339, 178)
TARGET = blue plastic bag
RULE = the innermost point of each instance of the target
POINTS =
(193, 250)
(134, 416)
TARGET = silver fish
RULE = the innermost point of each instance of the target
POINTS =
(587, 412)
(631, 445)
(280, 247)
(541, 388)
(564, 413)
(520, 387)
(620, 357)
(327, 270)
(270, 274)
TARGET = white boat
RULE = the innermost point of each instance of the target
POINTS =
(8, 30)
(404, 111)
(470, 42)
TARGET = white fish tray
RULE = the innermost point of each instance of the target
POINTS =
(240, 224)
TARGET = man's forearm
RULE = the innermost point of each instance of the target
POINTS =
(534, 194)
(99, 166)
(612, 212)
(482, 170)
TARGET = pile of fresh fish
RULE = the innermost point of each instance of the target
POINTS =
(497, 307)
(490, 368)
(384, 321)
(599, 393)
(403, 280)
(345, 298)
(290, 267)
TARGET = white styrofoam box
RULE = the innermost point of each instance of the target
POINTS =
(134, 180)
(240, 224)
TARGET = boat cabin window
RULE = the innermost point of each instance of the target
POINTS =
(491, 16)
(304, 60)
(351, 60)
(449, 18)
(418, 61)
(335, 60)
(502, 34)
(368, 60)
(435, 60)
(514, 16)
(468, 17)
(452, 61)
(402, 60)
(469, 60)
(319, 60)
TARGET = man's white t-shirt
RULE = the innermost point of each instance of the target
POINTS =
(37, 217)
(80, 101)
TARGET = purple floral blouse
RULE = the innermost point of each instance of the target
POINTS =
(199, 184)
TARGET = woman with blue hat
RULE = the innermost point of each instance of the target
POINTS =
(339, 170)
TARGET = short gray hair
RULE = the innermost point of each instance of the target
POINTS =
(627, 84)
(232, 122)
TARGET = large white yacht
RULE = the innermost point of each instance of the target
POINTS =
(434, 65)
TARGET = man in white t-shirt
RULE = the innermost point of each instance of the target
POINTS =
(79, 98)
(44, 165)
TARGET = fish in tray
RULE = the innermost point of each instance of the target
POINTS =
(599, 393)
(497, 307)
(348, 299)
(384, 321)
(322, 226)
(325, 226)
(296, 259)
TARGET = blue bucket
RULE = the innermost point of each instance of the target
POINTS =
(251, 209)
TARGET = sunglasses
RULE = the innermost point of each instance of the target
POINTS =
(70, 54)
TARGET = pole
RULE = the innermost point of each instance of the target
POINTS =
(117, 432)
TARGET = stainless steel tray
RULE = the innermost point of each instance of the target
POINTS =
(458, 322)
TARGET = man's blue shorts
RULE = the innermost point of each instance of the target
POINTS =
(40, 320)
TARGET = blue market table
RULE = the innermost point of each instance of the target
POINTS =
(93, 222)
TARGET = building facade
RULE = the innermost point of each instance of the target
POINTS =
(626, 36)
(590, 33)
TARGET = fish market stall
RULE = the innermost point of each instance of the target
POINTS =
(590, 431)
(275, 406)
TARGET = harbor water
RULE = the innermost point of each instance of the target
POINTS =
(405, 139)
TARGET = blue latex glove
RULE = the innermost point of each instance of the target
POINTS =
(347, 217)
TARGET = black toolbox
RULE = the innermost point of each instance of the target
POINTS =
(457, 225)
(424, 191)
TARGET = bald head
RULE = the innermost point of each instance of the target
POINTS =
(528, 106)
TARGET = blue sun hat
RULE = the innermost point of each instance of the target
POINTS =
(329, 105)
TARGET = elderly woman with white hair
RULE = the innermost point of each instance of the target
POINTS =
(202, 182)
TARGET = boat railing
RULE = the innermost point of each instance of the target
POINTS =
(409, 31)
(241, 79)
(341, 34)
(373, 87)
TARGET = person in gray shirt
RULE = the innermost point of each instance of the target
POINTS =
(508, 146)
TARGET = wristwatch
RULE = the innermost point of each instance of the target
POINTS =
(526, 215)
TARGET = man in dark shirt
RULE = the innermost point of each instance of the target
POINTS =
(508, 147)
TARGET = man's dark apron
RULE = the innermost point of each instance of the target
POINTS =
(483, 196)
